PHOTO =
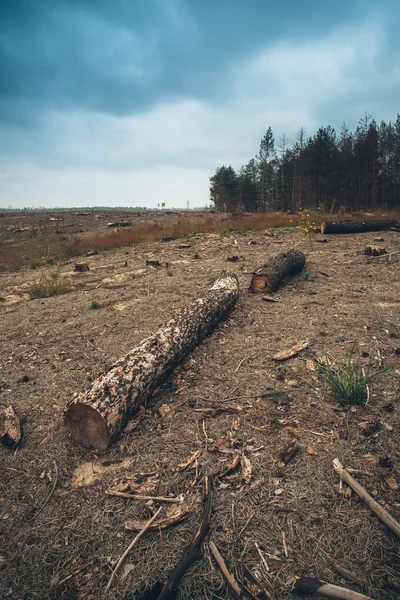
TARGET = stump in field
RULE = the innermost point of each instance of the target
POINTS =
(10, 428)
(81, 267)
(270, 276)
(374, 251)
(357, 226)
(95, 417)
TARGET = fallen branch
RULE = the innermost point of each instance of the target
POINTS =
(131, 545)
(230, 581)
(191, 552)
(307, 586)
(145, 498)
(362, 493)
(96, 417)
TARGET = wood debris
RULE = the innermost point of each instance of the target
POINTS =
(190, 461)
(293, 351)
(269, 299)
(192, 552)
(174, 514)
(81, 267)
(231, 467)
(307, 586)
(10, 428)
(287, 454)
(374, 251)
(247, 469)
(142, 483)
(391, 482)
(362, 493)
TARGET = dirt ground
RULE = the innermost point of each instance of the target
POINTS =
(302, 523)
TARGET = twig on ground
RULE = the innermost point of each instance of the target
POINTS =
(246, 524)
(242, 361)
(178, 500)
(260, 554)
(285, 550)
(131, 545)
(233, 586)
(362, 493)
(50, 495)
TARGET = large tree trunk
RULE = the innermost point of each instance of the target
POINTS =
(357, 226)
(270, 276)
(95, 417)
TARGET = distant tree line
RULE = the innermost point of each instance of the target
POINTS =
(357, 170)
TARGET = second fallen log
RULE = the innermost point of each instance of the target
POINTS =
(358, 226)
(269, 276)
(95, 417)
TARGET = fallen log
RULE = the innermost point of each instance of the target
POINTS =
(120, 224)
(307, 586)
(358, 226)
(270, 276)
(95, 417)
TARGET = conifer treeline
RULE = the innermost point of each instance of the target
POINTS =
(358, 170)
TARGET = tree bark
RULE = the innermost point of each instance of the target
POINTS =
(357, 226)
(270, 276)
(10, 428)
(96, 416)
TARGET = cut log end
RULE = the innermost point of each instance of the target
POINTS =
(87, 426)
(261, 283)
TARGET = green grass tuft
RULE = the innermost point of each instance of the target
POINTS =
(94, 305)
(348, 381)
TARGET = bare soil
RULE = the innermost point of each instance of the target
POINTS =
(54, 347)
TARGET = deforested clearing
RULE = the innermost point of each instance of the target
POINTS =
(267, 431)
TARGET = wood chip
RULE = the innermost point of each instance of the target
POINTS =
(174, 514)
(392, 483)
(269, 299)
(234, 463)
(190, 461)
(293, 351)
(247, 469)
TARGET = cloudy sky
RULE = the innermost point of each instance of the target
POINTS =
(136, 102)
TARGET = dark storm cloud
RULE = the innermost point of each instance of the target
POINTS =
(125, 56)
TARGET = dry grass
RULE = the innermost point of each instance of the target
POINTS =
(42, 245)
(48, 285)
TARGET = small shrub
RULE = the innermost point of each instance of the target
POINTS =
(94, 305)
(169, 273)
(196, 255)
(348, 381)
(241, 267)
(49, 284)
(306, 276)
(35, 264)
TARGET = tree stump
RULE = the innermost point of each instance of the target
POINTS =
(81, 267)
(95, 417)
(271, 275)
(10, 428)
